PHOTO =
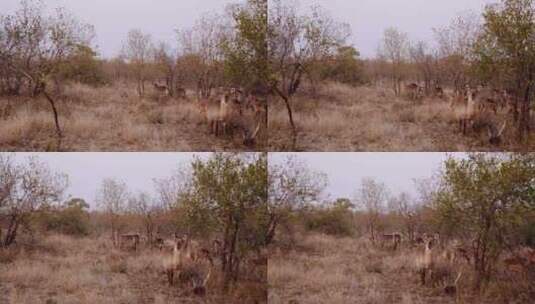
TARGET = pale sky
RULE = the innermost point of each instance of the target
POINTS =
(114, 18)
(345, 171)
(86, 171)
(369, 18)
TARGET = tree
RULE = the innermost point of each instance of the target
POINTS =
(246, 55)
(137, 49)
(33, 46)
(201, 53)
(24, 189)
(228, 195)
(112, 198)
(507, 47)
(455, 44)
(406, 208)
(145, 207)
(292, 186)
(425, 63)
(344, 66)
(372, 197)
(296, 44)
(394, 48)
(486, 199)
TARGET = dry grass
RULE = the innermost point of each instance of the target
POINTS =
(344, 118)
(60, 269)
(325, 269)
(111, 119)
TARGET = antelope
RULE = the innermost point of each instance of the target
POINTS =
(133, 238)
(184, 260)
(439, 92)
(174, 261)
(467, 111)
(414, 91)
(425, 262)
(161, 88)
(395, 238)
(230, 109)
(210, 109)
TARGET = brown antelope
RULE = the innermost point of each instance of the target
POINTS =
(187, 263)
(394, 238)
(467, 112)
(439, 92)
(161, 88)
(425, 262)
(132, 238)
(414, 91)
(230, 110)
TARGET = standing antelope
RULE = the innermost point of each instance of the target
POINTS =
(468, 110)
(425, 262)
(439, 92)
(414, 91)
(161, 88)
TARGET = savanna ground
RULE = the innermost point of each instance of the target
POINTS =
(369, 118)
(112, 118)
(326, 269)
(62, 269)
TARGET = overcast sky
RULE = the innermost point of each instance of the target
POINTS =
(345, 171)
(87, 170)
(369, 18)
(114, 18)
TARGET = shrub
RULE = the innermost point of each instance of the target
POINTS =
(335, 219)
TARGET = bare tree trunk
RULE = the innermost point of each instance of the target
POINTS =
(54, 111)
(288, 108)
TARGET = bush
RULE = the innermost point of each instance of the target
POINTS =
(71, 219)
(336, 219)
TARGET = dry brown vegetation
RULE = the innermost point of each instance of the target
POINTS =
(369, 118)
(112, 118)
(62, 269)
(327, 269)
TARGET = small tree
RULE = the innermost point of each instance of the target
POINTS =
(485, 198)
(138, 49)
(246, 54)
(292, 185)
(394, 48)
(228, 196)
(507, 47)
(112, 198)
(145, 207)
(33, 47)
(297, 44)
(24, 189)
(372, 198)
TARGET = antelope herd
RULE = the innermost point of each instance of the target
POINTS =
(180, 257)
(481, 106)
(433, 252)
(232, 109)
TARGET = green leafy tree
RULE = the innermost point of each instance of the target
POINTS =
(228, 194)
(487, 199)
(507, 48)
(344, 67)
(246, 56)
